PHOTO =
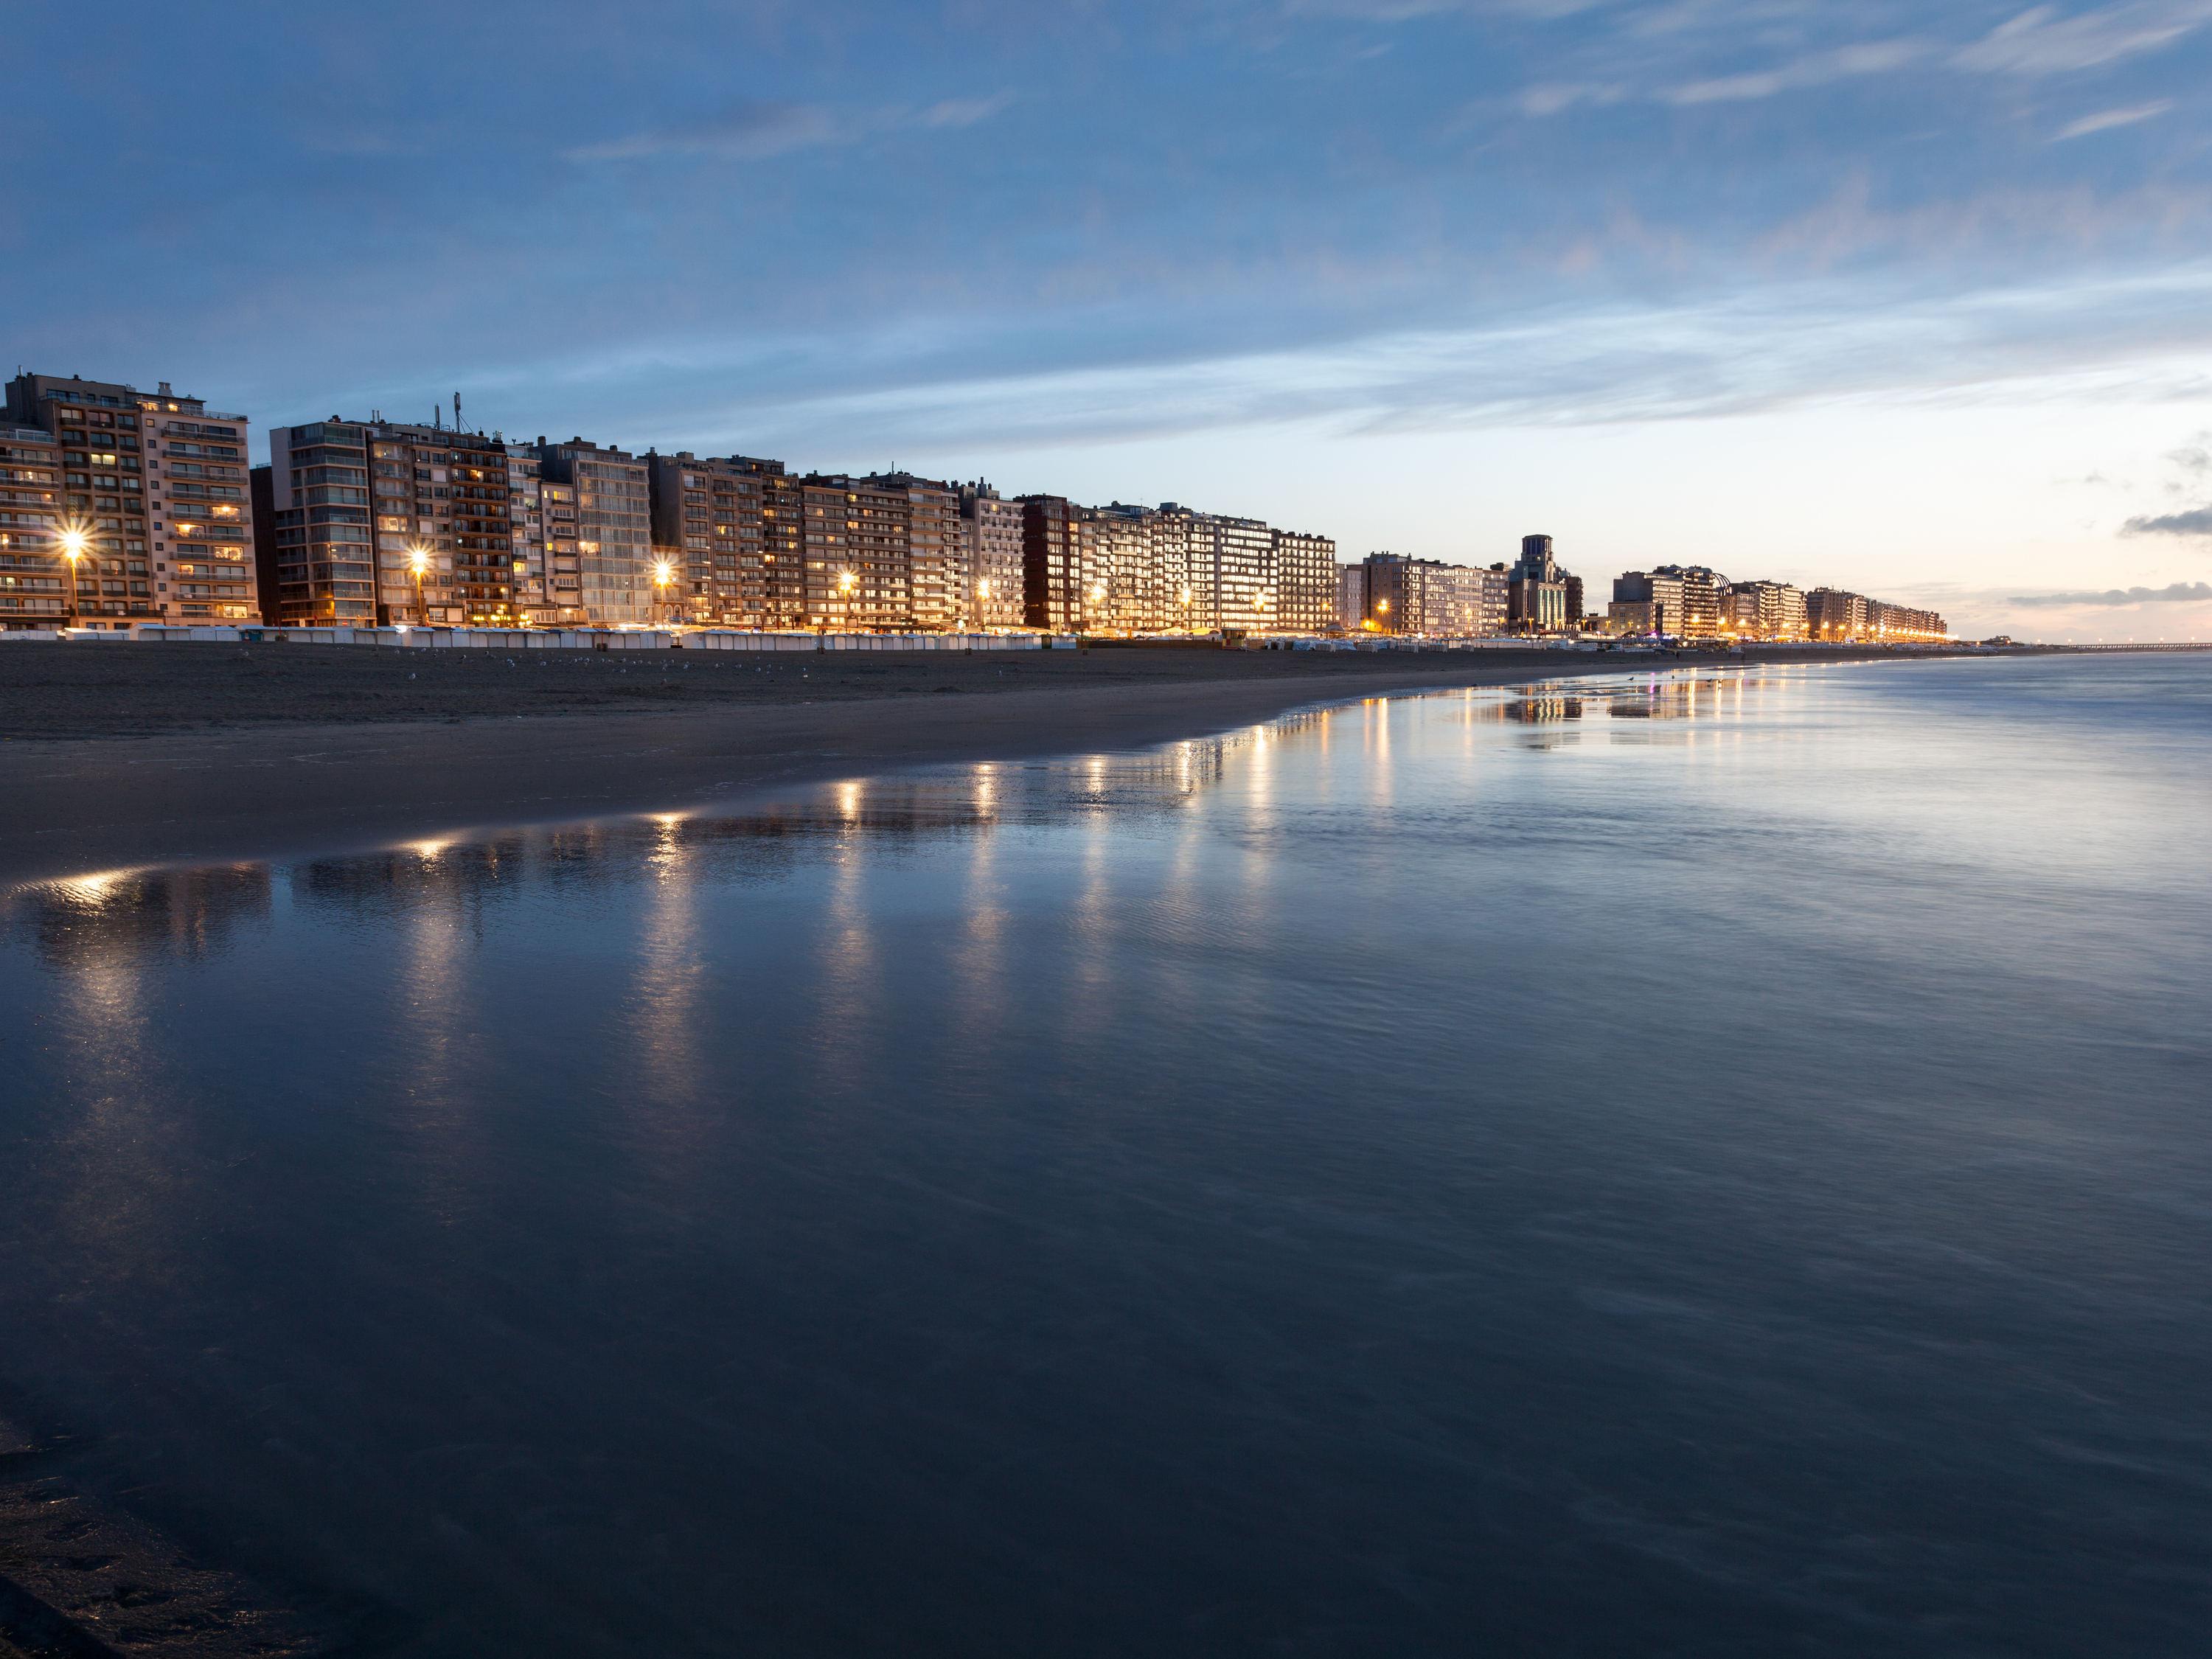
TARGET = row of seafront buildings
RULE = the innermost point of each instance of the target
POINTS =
(1390, 593)
(118, 506)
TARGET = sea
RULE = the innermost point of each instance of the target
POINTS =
(1700, 1162)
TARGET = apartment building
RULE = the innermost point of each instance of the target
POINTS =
(991, 530)
(34, 578)
(1305, 582)
(379, 522)
(614, 527)
(1704, 598)
(706, 514)
(1645, 602)
(155, 485)
(939, 596)
(1350, 596)
(1902, 623)
(1832, 614)
(564, 582)
(856, 535)
(540, 599)
(1766, 611)
(318, 524)
(1407, 595)
(1052, 563)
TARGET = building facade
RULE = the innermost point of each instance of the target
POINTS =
(1405, 595)
(708, 521)
(320, 528)
(613, 505)
(1832, 614)
(939, 596)
(1905, 624)
(153, 488)
(1703, 599)
(379, 522)
(1350, 596)
(1645, 602)
(856, 565)
(991, 529)
(1767, 611)
(1305, 582)
(1537, 592)
(34, 578)
(1052, 564)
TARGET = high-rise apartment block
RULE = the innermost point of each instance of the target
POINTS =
(1902, 623)
(708, 515)
(992, 530)
(1832, 614)
(547, 588)
(1645, 602)
(614, 527)
(375, 521)
(1766, 611)
(33, 577)
(153, 492)
(935, 551)
(1408, 595)
(1350, 596)
(1704, 599)
(1052, 563)
(856, 567)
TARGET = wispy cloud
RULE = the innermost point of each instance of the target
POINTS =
(1813, 69)
(2196, 521)
(2044, 41)
(2177, 594)
(2106, 120)
(757, 131)
(748, 131)
(1670, 53)
(964, 111)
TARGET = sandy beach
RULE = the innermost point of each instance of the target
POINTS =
(119, 756)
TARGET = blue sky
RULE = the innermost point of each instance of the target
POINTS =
(1907, 297)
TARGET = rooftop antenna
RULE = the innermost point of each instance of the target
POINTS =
(457, 411)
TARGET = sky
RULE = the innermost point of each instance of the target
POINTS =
(1910, 298)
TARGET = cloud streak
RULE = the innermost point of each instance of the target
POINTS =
(2196, 521)
(757, 131)
(2106, 120)
(2176, 593)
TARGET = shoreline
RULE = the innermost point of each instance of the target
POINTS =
(71, 806)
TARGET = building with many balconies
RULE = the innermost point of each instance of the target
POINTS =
(155, 493)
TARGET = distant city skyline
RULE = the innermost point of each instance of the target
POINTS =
(1856, 295)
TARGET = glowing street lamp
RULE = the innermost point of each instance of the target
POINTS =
(663, 573)
(418, 566)
(74, 541)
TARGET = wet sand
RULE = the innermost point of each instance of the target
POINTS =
(119, 756)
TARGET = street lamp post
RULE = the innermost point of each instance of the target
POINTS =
(73, 545)
(418, 566)
(663, 573)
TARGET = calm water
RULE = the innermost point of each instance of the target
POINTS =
(1711, 1165)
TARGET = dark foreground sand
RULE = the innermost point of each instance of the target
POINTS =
(120, 755)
